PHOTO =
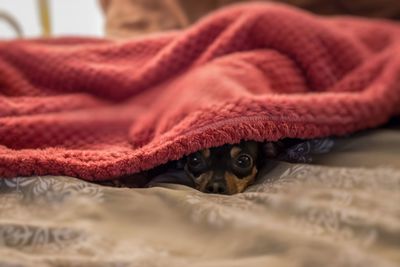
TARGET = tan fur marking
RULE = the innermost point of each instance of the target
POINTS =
(202, 180)
(206, 153)
(235, 151)
(236, 185)
(199, 181)
(270, 150)
(230, 183)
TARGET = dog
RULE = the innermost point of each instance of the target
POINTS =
(228, 169)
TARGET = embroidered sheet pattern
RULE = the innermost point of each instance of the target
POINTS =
(297, 215)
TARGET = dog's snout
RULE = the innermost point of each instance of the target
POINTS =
(216, 188)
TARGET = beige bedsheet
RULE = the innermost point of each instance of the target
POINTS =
(344, 210)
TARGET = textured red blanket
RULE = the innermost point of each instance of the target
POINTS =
(97, 109)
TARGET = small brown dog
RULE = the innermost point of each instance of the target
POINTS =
(228, 169)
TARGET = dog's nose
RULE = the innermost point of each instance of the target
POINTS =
(216, 188)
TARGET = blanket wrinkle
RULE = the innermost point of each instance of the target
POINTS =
(99, 109)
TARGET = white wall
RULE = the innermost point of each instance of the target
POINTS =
(68, 17)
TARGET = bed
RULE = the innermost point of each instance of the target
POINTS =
(335, 204)
(342, 209)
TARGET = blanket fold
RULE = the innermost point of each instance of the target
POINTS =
(98, 109)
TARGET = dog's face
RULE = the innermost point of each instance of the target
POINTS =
(228, 169)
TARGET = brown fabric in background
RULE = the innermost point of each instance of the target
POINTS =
(131, 18)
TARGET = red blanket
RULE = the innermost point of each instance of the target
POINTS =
(97, 109)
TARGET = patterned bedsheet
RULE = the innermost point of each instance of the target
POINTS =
(322, 214)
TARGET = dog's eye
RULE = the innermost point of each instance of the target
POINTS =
(195, 161)
(244, 161)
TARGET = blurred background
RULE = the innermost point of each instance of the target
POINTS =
(132, 18)
(68, 17)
